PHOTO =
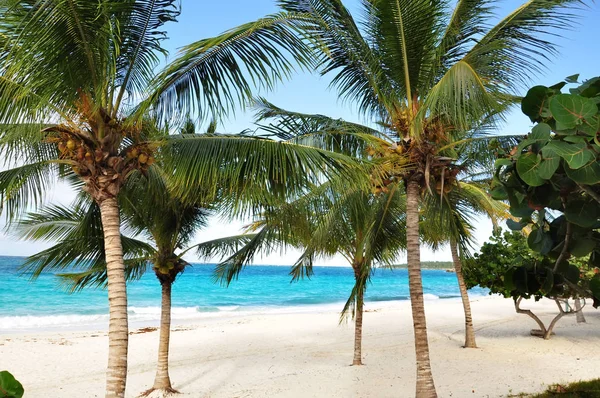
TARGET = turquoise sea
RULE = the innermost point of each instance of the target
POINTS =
(42, 305)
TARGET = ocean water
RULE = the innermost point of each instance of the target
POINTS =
(41, 304)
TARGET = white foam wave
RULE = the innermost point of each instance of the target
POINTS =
(429, 296)
(136, 314)
(156, 310)
(48, 321)
(229, 308)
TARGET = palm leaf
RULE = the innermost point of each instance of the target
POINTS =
(218, 73)
(139, 45)
(25, 186)
(252, 170)
(96, 276)
(358, 70)
(519, 45)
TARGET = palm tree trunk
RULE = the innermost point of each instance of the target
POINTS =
(162, 381)
(425, 386)
(358, 320)
(116, 376)
(579, 313)
(464, 295)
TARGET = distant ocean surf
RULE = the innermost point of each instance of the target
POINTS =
(42, 305)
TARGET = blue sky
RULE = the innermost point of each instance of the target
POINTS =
(579, 52)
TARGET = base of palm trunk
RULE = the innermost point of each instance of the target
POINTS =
(357, 363)
(470, 343)
(159, 393)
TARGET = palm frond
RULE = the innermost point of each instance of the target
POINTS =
(467, 23)
(139, 45)
(317, 131)
(222, 247)
(520, 44)
(250, 169)
(81, 241)
(23, 142)
(25, 186)
(214, 75)
(360, 286)
(55, 48)
(96, 276)
(460, 97)
(359, 75)
(229, 269)
(406, 33)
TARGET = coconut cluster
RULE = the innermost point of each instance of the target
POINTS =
(166, 267)
(395, 154)
(87, 160)
(141, 154)
(447, 182)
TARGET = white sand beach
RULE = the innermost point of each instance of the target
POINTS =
(307, 355)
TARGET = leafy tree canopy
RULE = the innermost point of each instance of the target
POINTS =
(552, 182)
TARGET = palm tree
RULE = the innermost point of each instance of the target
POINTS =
(449, 218)
(449, 212)
(366, 229)
(150, 213)
(77, 82)
(446, 215)
(430, 73)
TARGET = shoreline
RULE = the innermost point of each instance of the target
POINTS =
(180, 316)
(307, 354)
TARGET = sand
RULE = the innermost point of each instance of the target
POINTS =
(307, 355)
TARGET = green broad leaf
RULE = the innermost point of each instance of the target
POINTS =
(9, 386)
(570, 110)
(513, 182)
(515, 225)
(549, 164)
(528, 166)
(590, 126)
(509, 283)
(558, 86)
(533, 285)
(595, 286)
(541, 132)
(548, 283)
(589, 174)
(572, 78)
(571, 273)
(519, 278)
(576, 139)
(499, 193)
(581, 212)
(543, 196)
(590, 88)
(525, 143)
(558, 227)
(502, 162)
(582, 246)
(535, 102)
(595, 258)
(540, 241)
(519, 207)
(563, 131)
(576, 155)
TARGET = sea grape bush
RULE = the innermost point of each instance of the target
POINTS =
(494, 266)
(552, 182)
(9, 386)
(504, 251)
